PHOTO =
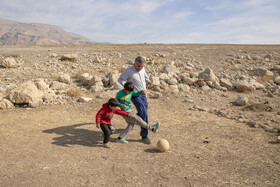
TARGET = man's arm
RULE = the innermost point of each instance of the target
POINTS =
(123, 77)
(147, 78)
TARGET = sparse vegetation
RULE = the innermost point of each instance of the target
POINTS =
(74, 92)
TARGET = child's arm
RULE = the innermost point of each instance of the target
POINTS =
(138, 93)
(122, 113)
(98, 117)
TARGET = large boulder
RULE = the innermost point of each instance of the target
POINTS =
(170, 68)
(113, 78)
(64, 78)
(172, 81)
(226, 83)
(261, 72)
(208, 75)
(9, 62)
(95, 81)
(188, 80)
(241, 101)
(277, 80)
(155, 80)
(25, 93)
(85, 78)
(243, 86)
(164, 77)
(55, 85)
(69, 57)
(6, 104)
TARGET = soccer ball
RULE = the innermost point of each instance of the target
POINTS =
(163, 145)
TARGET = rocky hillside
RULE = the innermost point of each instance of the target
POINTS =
(236, 82)
(15, 33)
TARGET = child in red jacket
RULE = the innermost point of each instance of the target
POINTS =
(104, 116)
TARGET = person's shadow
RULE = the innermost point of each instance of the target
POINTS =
(73, 135)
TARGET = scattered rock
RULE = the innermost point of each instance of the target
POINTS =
(84, 99)
(261, 72)
(9, 62)
(64, 79)
(277, 80)
(69, 57)
(243, 86)
(241, 101)
(208, 75)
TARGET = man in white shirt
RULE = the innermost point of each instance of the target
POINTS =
(137, 75)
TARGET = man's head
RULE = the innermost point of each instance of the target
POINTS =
(139, 63)
(128, 87)
(113, 103)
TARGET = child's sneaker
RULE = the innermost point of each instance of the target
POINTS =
(155, 127)
(107, 145)
(122, 140)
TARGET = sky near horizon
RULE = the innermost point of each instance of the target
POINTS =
(155, 21)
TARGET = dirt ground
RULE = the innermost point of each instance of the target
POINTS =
(59, 145)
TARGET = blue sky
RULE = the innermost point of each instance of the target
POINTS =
(155, 21)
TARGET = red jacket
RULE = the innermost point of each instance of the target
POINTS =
(105, 114)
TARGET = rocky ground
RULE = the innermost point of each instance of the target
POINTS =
(218, 106)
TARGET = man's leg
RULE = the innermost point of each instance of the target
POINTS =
(141, 105)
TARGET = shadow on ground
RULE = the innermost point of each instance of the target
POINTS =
(74, 135)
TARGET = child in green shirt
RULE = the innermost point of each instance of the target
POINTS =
(124, 97)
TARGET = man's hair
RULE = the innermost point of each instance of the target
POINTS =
(129, 86)
(140, 60)
(113, 102)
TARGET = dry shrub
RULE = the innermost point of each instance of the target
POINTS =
(12, 55)
(54, 76)
(266, 78)
(74, 93)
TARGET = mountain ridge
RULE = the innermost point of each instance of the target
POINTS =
(17, 33)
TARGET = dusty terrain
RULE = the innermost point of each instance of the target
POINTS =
(211, 141)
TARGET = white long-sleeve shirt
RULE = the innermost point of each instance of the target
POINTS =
(139, 79)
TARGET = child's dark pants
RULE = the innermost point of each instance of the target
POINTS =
(107, 132)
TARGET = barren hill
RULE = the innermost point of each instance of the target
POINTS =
(16, 33)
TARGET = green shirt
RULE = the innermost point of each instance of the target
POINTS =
(124, 98)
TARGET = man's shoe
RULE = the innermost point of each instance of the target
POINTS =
(107, 145)
(146, 140)
(155, 127)
(122, 140)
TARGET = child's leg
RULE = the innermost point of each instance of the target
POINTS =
(130, 124)
(112, 129)
(139, 121)
(107, 132)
